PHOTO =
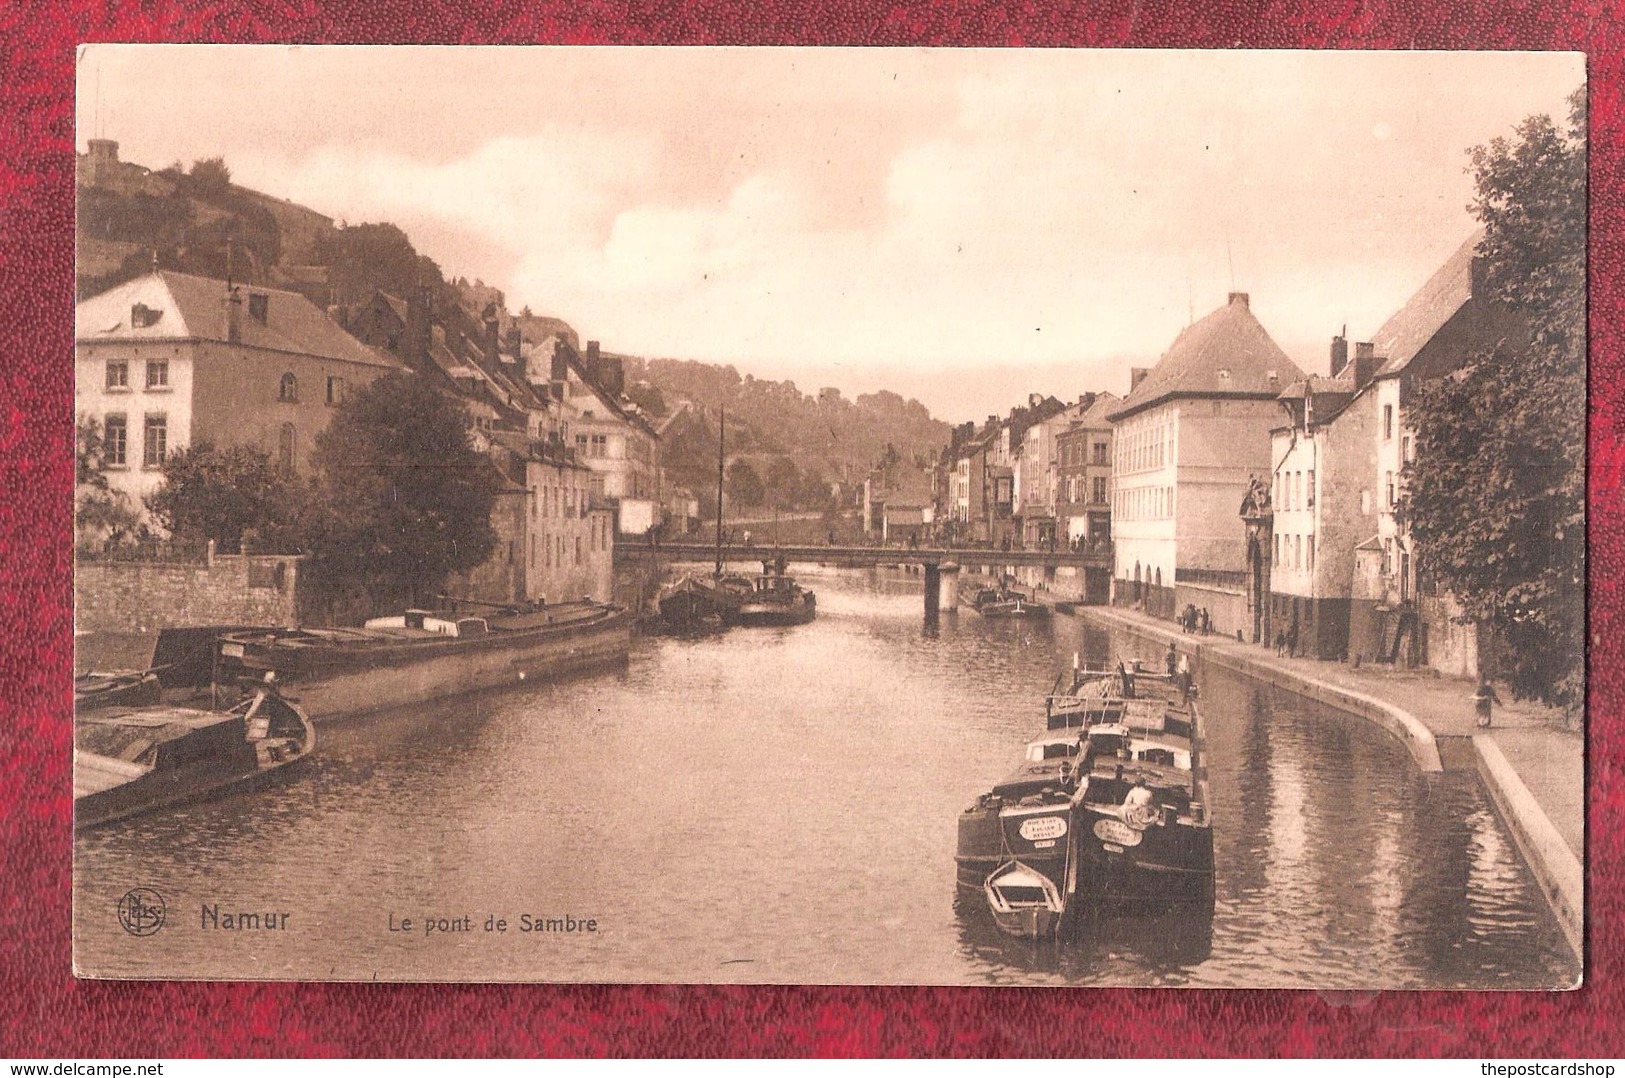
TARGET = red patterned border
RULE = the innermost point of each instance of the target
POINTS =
(47, 1012)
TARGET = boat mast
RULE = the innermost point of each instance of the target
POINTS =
(722, 435)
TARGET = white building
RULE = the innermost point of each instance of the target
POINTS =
(169, 360)
(1187, 440)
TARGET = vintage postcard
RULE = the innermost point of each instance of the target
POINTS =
(876, 516)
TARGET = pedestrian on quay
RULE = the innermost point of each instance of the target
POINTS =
(1184, 677)
(1292, 641)
(1280, 643)
(1484, 701)
(1207, 623)
(1171, 660)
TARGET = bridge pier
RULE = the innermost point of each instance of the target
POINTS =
(948, 592)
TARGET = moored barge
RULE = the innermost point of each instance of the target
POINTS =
(130, 760)
(426, 654)
(1109, 804)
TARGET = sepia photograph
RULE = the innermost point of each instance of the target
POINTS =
(714, 515)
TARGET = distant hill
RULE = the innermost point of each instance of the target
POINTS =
(797, 442)
(806, 449)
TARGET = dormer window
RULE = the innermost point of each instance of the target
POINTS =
(1224, 374)
(288, 391)
(259, 307)
(142, 316)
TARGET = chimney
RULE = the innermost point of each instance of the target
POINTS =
(560, 374)
(614, 376)
(1239, 297)
(1136, 375)
(592, 358)
(1340, 353)
(419, 327)
(234, 315)
(1365, 364)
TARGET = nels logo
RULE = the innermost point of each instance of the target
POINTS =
(141, 911)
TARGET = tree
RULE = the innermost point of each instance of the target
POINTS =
(744, 486)
(99, 511)
(210, 176)
(408, 496)
(1496, 496)
(783, 482)
(362, 258)
(224, 492)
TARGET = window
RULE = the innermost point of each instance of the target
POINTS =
(118, 374)
(1309, 554)
(1387, 422)
(1297, 552)
(578, 550)
(1388, 481)
(115, 441)
(157, 374)
(285, 446)
(1100, 452)
(1407, 448)
(335, 390)
(600, 446)
(156, 445)
(289, 389)
(1309, 491)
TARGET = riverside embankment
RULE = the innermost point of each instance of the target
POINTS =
(1532, 768)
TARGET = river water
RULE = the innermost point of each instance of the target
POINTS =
(779, 805)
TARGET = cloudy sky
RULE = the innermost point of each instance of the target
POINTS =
(961, 226)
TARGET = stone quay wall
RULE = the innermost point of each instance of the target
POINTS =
(227, 589)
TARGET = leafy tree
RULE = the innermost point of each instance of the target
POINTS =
(645, 395)
(362, 258)
(210, 176)
(743, 485)
(409, 496)
(783, 482)
(225, 492)
(1496, 496)
(99, 511)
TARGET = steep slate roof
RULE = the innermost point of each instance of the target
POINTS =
(1095, 418)
(1231, 339)
(1426, 312)
(194, 309)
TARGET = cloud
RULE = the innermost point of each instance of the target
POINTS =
(914, 210)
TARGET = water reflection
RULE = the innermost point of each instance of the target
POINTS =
(780, 805)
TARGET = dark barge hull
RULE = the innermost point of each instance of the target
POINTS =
(762, 614)
(335, 679)
(1172, 864)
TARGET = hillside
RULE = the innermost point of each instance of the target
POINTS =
(793, 449)
(798, 444)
